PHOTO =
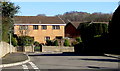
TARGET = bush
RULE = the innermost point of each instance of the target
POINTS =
(38, 46)
(66, 43)
(75, 43)
(36, 43)
(14, 41)
(25, 41)
(78, 39)
(55, 43)
(79, 48)
(49, 43)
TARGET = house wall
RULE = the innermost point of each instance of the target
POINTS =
(71, 31)
(40, 34)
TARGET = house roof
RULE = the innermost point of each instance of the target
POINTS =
(75, 24)
(38, 20)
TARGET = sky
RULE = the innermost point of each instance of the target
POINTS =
(55, 8)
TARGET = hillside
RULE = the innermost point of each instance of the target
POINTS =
(84, 16)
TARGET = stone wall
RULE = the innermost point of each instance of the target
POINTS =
(5, 48)
(57, 49)
(29, 49)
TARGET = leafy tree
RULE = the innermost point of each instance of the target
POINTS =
(84, 16)
(8, 11)
(114, 35)
(41, 15)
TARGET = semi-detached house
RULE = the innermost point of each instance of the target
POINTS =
(41, 28)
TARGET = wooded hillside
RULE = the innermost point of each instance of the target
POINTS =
(84, 16)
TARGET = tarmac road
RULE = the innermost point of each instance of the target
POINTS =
(60, 62)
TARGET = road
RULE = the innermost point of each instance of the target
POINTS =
(43, 62)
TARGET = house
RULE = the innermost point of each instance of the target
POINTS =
(71, 29)
(41, 28)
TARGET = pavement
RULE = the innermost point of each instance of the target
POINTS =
(113, 55)
(13, 59)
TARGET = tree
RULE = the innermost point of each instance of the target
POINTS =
(8, 12)
(41, 15)
(84, 16)
(114, 32)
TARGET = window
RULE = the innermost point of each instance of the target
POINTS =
(23, 27)
(59, 37)
(35, 27)
(44, 27)
(47, 38)
(56, 27)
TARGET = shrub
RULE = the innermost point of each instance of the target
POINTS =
(75, 43)
(66, 43)
(79, 48)
(49, 43)
(55, 43)
(14, 41)
(78, 39)
(25, 41)
(36, 43)
(38, 46)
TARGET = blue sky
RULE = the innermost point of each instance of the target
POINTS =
(55, 8)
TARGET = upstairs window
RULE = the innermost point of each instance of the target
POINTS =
(44, 27)
(35, 27)
(23, 27)
(55, 27)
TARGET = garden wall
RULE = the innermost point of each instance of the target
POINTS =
(29, 49)
(57, 49)
(5, 49)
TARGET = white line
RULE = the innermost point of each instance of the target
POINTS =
(34, 66)
(25, 67)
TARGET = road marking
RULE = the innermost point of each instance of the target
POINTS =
(34, 66)
(25, 67)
